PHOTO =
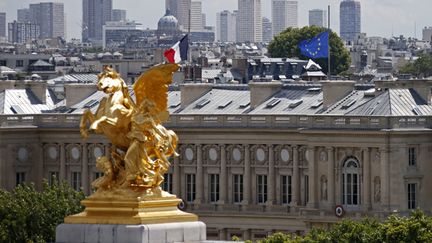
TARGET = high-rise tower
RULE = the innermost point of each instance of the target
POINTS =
(284, 15)
(180, 10)
(318, 17)
(249, 21)
(226, 24)
(350, 19)
(95, 14)
(50, 18)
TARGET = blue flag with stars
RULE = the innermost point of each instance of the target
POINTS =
(316, 47)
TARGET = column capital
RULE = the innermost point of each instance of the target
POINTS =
(365, 149)
(295, 147)
(310, 147)
(330, 149)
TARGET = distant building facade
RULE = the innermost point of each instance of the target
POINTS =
(427, 34)
(318, 17)
(253, 159)
(23, 15)
(284, 15)
(95, 14)
(180, 10)
(226, 25)
(116, 33)
(249, 21)
(50, 17)
(267, 29)
(196, 20)
(2, 26)
(350, 19)
(118, 15)
(22, 32)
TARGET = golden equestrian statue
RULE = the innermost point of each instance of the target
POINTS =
(129, 192)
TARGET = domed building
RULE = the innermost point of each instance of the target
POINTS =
(168, 31)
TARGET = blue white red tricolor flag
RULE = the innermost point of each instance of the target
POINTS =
(179, 51)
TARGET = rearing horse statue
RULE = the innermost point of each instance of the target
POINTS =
(141, 145)
(113, 115)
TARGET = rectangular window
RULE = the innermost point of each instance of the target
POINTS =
(412, 156)
(238, 188)
(76, 181)
(19, 63)
(98, 175)
(20, 178)
(167, 184)
(286, 189)
(412, 189)
(53, 177)
(190, 187)
(214, 187)
(261, 188)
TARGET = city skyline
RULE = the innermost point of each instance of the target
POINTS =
(410, 15)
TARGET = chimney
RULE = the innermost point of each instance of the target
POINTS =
(74, 93)
(335, 90)
(421, 86)
(261, 91)
(39, 88)
(193, 91)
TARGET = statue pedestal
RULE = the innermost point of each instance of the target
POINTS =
(142, 233)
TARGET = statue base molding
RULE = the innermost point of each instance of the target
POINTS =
(130, 209)
(141, 233)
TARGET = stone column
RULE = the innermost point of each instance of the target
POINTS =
(107, 151)
(247, 176)
(3, 166)
(84, 169)
(223, 235)
(312, 176)
(385, 185)
(295, 178)
(62, 172)
(331, 176)
(366, 179)
(223, 177)
(199, 176)
(271, 176)
(176, 176)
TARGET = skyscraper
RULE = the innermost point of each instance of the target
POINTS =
(118, 15)
(22, 32)
(50, 18)
(196, 16)
(318, 17)
(2, 26)
(95, 14)
(249, 21)
(267, 30)
(350, 19)
(180, 10)
(226, 24)
(23, 15)
(284, 15)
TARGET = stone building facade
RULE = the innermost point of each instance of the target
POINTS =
(256, 170)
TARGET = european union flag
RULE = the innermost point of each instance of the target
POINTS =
(316, 47)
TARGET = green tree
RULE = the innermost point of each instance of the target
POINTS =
(416, 228)
(27, 215)
(286, 45)
(422, 67)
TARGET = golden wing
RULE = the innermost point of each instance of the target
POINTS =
(153, 85)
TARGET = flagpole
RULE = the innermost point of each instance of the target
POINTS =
(328, 43)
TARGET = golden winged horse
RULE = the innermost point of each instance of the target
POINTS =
(141, 145)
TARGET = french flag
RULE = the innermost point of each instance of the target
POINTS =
(179, 51)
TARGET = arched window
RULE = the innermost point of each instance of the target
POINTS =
(351, 183)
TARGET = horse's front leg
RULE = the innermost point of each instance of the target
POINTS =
(86, 117)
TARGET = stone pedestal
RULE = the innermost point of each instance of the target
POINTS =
(143, 233)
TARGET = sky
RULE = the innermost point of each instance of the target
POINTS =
(379, 17)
